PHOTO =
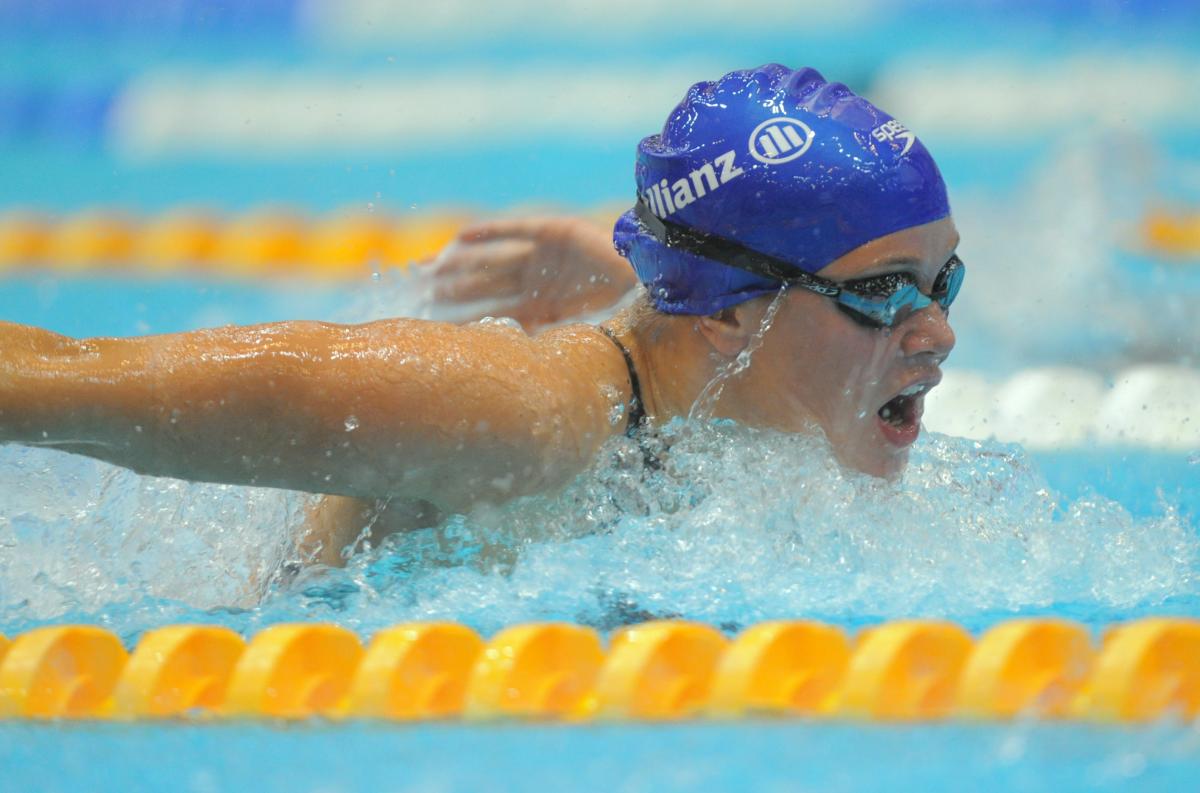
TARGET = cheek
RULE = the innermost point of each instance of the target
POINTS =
(827, 366)
(844, 364)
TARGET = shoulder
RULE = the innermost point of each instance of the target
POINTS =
(584, 350)
(574, 372)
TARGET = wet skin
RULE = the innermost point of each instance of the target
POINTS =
(817, 366)
(408, 410)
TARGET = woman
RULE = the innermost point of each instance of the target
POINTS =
(781, 221)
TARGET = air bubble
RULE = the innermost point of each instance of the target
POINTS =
(507, 323)
(705, 521)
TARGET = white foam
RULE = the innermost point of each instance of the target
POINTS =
(743, 526)
(737, 526)
(79, 535)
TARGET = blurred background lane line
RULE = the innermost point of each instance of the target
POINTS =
(1069, 134)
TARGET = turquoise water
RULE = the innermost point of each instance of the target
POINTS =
(751, 527)
(64, 65)
(746, 527)
(743, 527)
(755, 756)
(759, 525)
(739, 528)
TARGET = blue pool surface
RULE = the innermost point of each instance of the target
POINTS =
(721, 758)
(65, 64)
(1141, 480)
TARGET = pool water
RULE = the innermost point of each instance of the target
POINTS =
(737, 527)
(754, 756)
(740, 526)
(743, 526)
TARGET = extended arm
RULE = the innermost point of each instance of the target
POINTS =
(397, 408)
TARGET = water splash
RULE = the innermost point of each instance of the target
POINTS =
(83, 537)
(730, 526)
(705, 403)
(741, 525)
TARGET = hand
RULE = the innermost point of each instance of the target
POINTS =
(538, 270)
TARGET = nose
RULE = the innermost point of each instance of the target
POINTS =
(928, 332)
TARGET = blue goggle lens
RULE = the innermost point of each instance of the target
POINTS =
(889, 300)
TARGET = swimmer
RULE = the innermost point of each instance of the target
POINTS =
(778, 217)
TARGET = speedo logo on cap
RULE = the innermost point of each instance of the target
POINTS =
(894, 130)
(780, 140)
(666, 198)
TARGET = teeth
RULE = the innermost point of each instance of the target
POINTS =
(896, 414)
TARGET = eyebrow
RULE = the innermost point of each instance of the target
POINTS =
(897, 264)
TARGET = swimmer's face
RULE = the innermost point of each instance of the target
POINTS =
(863, 387)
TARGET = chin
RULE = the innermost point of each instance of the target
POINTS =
(892, 466)
(882, 463)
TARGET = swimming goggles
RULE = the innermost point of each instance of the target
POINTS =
(881, 301)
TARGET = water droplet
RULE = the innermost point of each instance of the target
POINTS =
(351, 423)
(501, 322)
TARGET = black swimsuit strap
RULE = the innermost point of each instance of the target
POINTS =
(636, 411)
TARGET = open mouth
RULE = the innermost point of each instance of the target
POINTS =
(900, 416)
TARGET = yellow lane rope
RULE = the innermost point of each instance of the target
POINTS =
(262, 242)
(903, 671)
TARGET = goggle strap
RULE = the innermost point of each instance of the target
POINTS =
(711, 246)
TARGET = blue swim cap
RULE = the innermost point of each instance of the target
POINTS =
(778, 161)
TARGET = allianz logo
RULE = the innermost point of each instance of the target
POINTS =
(666, 199)
(780, 140)
(776, 140)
